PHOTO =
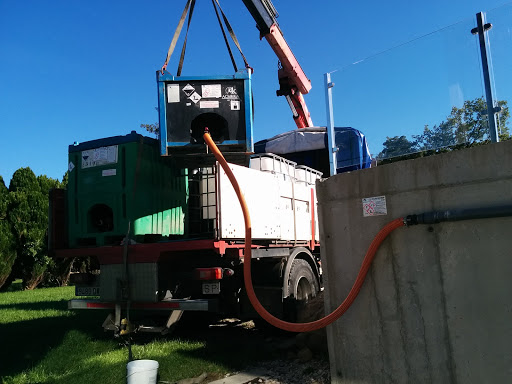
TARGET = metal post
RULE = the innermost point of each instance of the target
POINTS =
(331, 145)
(491, 110)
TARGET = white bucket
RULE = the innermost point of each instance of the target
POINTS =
(142, 372)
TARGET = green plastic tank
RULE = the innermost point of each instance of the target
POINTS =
(119, 180)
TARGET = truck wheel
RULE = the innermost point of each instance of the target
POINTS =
(302, 287)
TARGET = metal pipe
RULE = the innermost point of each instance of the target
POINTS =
(491, 112)
(435, 217)
(331, 145)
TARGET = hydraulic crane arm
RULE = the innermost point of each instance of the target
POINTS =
(293, 82)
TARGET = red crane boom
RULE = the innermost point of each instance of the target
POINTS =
(293, 82)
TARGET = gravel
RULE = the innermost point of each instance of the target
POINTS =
(297, 358)
(315, 371)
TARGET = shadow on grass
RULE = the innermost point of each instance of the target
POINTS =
(232, 344)
(72, 357)
(26, 343)
(61, 305)
(15, 286)
(74, 349)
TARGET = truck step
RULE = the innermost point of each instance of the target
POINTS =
(173, 304)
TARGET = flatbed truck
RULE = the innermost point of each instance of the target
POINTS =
(165, 238)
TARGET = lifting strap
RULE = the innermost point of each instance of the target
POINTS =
(182, 57)
(190, 5)
(225, 37)
(232, 34)
(176, 35)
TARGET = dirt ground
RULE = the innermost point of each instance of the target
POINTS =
(284, 357)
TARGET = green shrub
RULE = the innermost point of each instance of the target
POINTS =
(7, 250)
(28, 216)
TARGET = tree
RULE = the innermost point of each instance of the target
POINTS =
(65, 179)
(503, 130)
(28, 217)
(466, 125)
(7, 249)
(439, 136)
(470, 123)
(463, 126)
(152, 128)
(396, 146)
(57, 270)
(47, 183)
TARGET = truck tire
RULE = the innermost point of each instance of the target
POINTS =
(302, 287)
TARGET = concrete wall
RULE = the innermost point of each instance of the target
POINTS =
(436, 306)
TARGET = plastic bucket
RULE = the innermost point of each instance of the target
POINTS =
(142, 372)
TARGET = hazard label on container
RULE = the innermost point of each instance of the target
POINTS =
(209, 104)
(173, 93)
(235, 105)
(211, 91)
(188, 89)
(230, 94)
(374, 206)
(195, 97)
(99, 156)
(108, 172)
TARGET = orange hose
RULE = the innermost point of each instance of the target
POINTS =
(287, 326)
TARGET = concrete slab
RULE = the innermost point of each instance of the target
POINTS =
(250, 377)
(435, 306)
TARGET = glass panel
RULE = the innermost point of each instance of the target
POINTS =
(418, 96)
(500, 63)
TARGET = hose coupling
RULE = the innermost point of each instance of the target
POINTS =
(411, 220)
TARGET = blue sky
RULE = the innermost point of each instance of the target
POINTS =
(81, 70)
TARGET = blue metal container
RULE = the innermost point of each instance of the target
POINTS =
(187, 105)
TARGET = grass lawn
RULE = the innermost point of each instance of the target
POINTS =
(44, 342)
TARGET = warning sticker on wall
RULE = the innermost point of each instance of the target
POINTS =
(99, 156)
(211, 91)
(374, 206)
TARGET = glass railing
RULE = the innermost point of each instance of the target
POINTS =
(427, 94)
(500, 63)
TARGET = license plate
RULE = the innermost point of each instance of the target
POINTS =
(211, 288)
(87, 291)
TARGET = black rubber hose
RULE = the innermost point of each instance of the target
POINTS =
(435, 217)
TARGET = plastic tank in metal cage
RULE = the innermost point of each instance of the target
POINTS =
(121, 179)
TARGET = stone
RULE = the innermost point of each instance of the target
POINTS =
(304, 355)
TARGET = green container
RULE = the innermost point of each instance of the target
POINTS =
(120, 180)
